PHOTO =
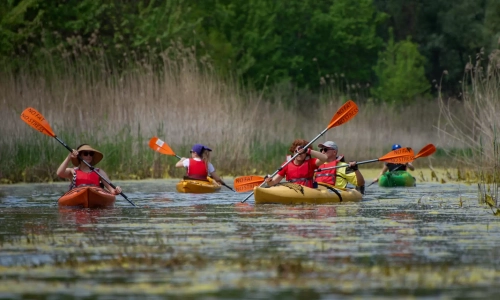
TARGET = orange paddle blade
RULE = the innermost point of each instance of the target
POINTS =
(247, 187)
(247, 183)
(345, 113)
(247, 179)
(426, 151)
(160, 146)
(399, 156)
(36, 120)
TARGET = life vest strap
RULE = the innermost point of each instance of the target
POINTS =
(306, 180)
(325, 175)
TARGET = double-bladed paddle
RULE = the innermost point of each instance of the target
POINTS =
(343, 115)
(427, 150)
(399, 156)
(161, 147)
(36, 120)
(247, 183)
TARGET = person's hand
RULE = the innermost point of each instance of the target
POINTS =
(268, 178)
(375, 179)
(302, 150)
(73, 154)
(118, 190)
(353, 165)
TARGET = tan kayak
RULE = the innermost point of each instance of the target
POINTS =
(87, 197)
(198, 186)
(291, 193)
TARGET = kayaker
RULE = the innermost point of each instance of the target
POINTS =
(82, 175)
(341, 176)
(389, 167)
(301, 169)
(199, 166)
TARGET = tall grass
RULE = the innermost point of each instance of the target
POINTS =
(183, 101)
(479, 131)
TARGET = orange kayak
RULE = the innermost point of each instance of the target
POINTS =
(88, 197)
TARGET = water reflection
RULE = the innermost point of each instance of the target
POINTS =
(395, 242)
(82, 219)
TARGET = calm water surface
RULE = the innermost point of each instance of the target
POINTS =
(431, 241)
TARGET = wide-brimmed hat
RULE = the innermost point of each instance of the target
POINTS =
(198, 148)
(98, 156)
(329, 144)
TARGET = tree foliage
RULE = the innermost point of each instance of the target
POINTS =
(401, 74)
(449, 32)
(264, 42)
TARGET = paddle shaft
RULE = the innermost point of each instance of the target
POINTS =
(343, 166)
(396, 168)
(370, 184)
(290, 160)
(224, 184)
(93, 169)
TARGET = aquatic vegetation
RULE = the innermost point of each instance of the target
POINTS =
(395, 243)
(478, 129)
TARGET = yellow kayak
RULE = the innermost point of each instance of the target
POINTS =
(198, 186)
(291, 193)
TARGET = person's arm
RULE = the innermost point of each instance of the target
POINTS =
(63, 171)
(360, 180)
(114, 191)
(320, 156)
(180, 163)
(410, 166)
(319, 163)
(316, 154)
(216, 178)
(214, 175)
(273, 181)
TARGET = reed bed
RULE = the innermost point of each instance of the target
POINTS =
(183, 101)
(478, 133)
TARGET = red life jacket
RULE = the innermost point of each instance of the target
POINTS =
(84, 178)
(302, 174)
(197, 169)
(328, 176)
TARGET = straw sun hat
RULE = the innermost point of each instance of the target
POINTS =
(95, 159)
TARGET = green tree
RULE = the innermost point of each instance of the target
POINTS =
(448, 32)
(14, 29)
(297, 41)
(492, 24)
(400, 73)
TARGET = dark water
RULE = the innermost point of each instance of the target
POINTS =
(431, 241)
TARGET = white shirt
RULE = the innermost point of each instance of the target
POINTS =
(211, 168)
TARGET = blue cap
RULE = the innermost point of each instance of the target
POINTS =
(396, 146)
(198, 148)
